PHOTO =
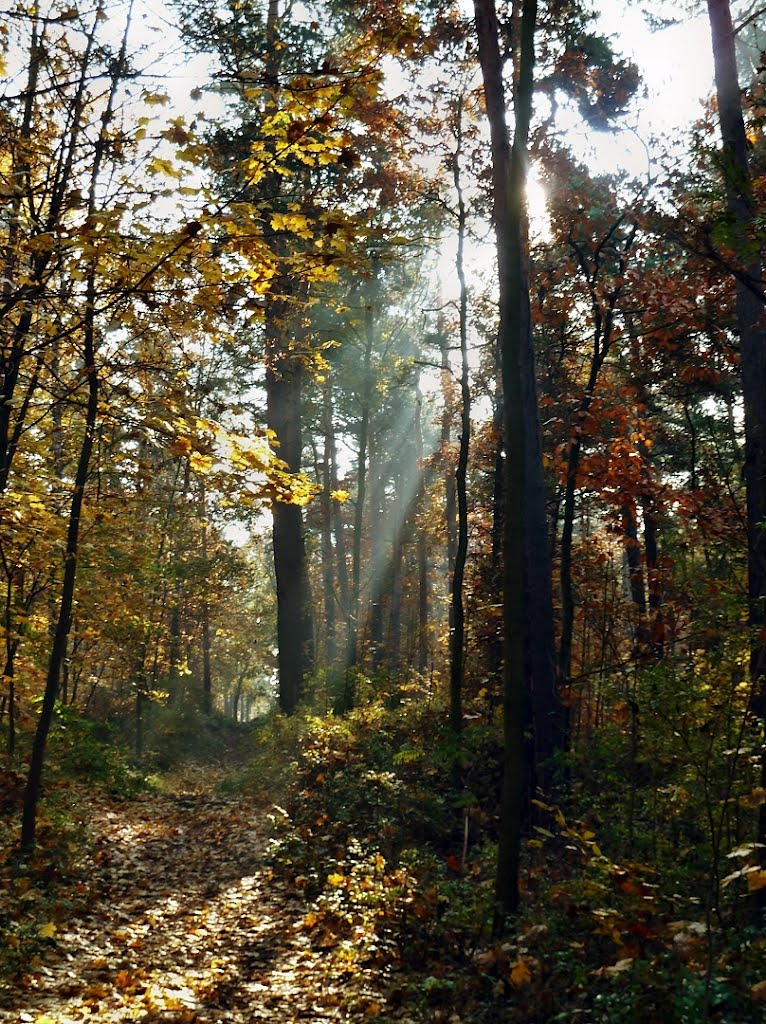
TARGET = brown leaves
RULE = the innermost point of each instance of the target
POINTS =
(184, 924)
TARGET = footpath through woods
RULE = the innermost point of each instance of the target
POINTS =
(186, 925)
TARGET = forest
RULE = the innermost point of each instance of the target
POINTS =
(382, 515)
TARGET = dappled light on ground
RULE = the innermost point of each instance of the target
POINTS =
(185, 925)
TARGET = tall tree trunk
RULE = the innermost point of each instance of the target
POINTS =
(338, 532)
(457, 631)
(548, 714)
(283, 410)
(64, 621)
(508, 179)
(90, 372)
(328, 560)
(378, 556)
(207, 674)
(423, 592)
(370, 301)
(284, 376)
(401, 514)
(752, 338)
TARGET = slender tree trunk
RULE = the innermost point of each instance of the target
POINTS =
(378, 557)
(450, 491)
(64, 622)
(336, 509)
(401, 518)
(207, 675)
(370, 302)
(657, 624)
(752, 338)
(457, 632)
(508, 178)
(423, 592)
(328, 561)
(284, 378)
(71, 553)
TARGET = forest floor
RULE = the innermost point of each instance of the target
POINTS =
(183, 923)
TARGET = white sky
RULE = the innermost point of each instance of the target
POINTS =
(676, 65)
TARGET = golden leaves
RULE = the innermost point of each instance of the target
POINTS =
(294, 223)
(520, 973)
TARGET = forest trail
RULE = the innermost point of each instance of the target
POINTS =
(186, 925)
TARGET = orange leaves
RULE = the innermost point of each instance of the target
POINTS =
(520, 973)
(181, 446)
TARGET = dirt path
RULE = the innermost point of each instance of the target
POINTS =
(187, 927)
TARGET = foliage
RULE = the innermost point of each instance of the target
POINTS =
(81, 748)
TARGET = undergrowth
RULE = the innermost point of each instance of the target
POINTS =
(39, 893)
(389, 834)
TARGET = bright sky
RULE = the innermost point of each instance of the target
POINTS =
(676, 66)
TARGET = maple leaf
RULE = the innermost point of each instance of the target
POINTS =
(48, 930)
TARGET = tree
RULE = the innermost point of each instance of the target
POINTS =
(509, 168)
(748, 274)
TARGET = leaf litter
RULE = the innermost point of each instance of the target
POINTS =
(186, 924)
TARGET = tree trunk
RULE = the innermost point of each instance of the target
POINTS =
(457, 632)
(752, 337)
(283, 405)
(328, 561)
(423, 592)
(508, 178)
(370, 299)
(207, 675)
(71, 553)
(378, 556)
(64, 621)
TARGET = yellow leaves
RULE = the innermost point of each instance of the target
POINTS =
(155, 99)
(520, 973)
(48, 930)
(158, 165)
(340, 496)
(294, 223)
(200, 463)
(336, 880)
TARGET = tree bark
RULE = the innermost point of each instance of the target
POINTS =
(64, 621)
(283, 412)
(423, 590)
(752, 337)
(328, 561)
(508, 178)
(457, 632)
(363, 438)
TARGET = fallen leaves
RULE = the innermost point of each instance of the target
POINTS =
(186, 926)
